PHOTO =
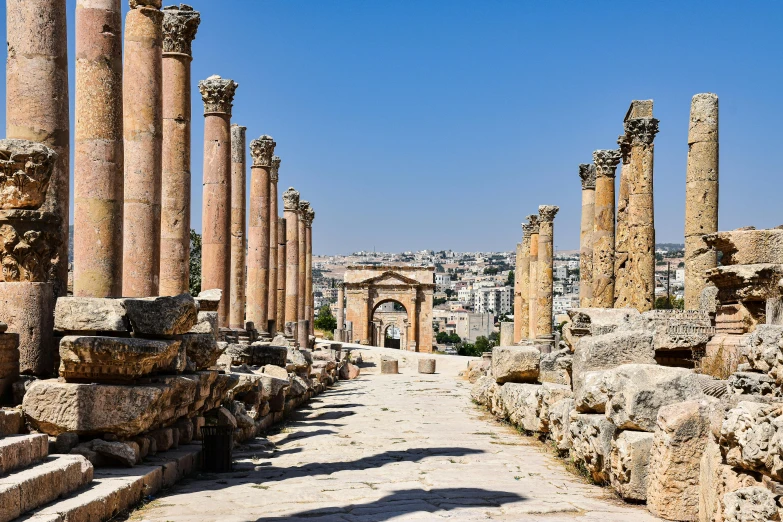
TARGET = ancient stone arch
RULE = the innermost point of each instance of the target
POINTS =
(366, 287)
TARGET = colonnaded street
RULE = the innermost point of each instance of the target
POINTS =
(393, 447)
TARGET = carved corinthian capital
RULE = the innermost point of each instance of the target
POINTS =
(304, 208)
(25, 170)
(527, 229)
(274, 173)
(606, 161)
(309, 217)
(641, 131)
(180, 25)
(262, 151)
(218, 94)
(587, 174)
(533, 223)
(291, 199)
(547, 213)
(625, 148)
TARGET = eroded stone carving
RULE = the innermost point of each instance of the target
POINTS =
(291, 199)
(606, 161)
(180, 25)
(641, 131)
(25, 170)
(218, 94)
(262, 151)
(274, 174)
(587, 175)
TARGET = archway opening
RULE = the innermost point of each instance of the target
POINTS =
(392, 337)
(390, 325)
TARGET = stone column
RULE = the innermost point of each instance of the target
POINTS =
(30, 244)
(636, 286)
(98, 165)
(143, 138)
(309, 306)
(258, 281)
(533, 280)
(413, 339)
(341, 310)
(304, 208)
(281, 269)
(524, 286)
(291, 215)
(546, 218)
(238, 219)
(701, 195)
(179, 30)
(515, 336)
(606, 162)
(273, 242)
(622, 230)
(218, 95)
(587, 175)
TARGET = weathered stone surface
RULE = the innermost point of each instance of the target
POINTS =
(673, 479)
(11, 421)
(349, 371)
(715, 480)
(608, 351)
(555, 367)
(591, 443)
(9, 361)
(207, 323)
(559, 421)
(209, 300)
(751, 438)
(752, 504)
(764, 351)
(75, 314)
(678, 329)
(636, 392)
(296, 360)
(630, 462)
(298, 386)
(257, 354)
(107, 359)
(599, 321)
(519, 364)
(162, 315)
(117, 452)
(427, 365)
(26, 171)
(202, 349)
(750, 383)
(389, 365)
(592, 396)
(20, 451)
(757, 282)
(748, 246)
(483, 390)
(519, 403)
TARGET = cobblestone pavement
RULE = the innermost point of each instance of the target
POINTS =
(392, 447)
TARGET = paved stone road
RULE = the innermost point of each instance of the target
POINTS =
(393, 447)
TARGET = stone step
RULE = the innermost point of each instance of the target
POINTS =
(115, 490)
(19, 451)
(55, 477)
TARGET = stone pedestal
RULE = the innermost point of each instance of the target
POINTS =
(427, 366)
(37, 102)
(606, 162)
(218, 95)
(533, 282)
(389, 366)
(143, 138)
(179, 29)
(238, 218)
(98, 155)
(546, 217)
(28, 309)
(304, 208)
(258, 281)
(280, 285)
(587, 175)
(291, 214)
(274, 176)
(701, 195)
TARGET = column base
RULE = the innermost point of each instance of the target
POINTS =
(28, 310)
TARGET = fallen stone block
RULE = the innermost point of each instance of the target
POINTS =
(349, 371)
(118, 453)
(80, 314)
(559, 422)
(608, 351)
(296, 360)
(592, 396)
(483, 390)
(520, 404)
(751, 383)
(715, 480)
(168, 315)
(389, 366)
(202, 349)
(11, 421)
(555, 367)
(751, 438)
(591, 437)
(748, 246)
(630, 462)
(518, 364)
(764, 351)
(750, 505)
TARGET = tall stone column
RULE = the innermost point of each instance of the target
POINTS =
(587, 175)
(218, 96)
(517, 295)
(622, 232)
(258, 281)
(180, 25)
(544, 314)
(291, 216)
(238, 218)
(30, 245)
(281, 269)
(309, 305)
(304, 208)
(143, 138)
(533, 280)
(274, 175)
(98, 164)
(606, 162)
(701, 195)
(635, 286)
(524, 286)
(340, 308)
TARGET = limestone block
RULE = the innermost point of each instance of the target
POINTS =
(559, 421)
(257, 354)
(112, 359)
(715, 480)
(168, 315)
(752, 504)
(519, 364)
(630, 462)
(201, 349)
(678, 329)
(757, 282)
(764, 351)
(603, 320)
(591, 443)
(592, 396)
(298, 386)
(748, 246)
(11, 421)
(389, 366)
(483, 390)
(207, 322)
(20, 451)
(608, 351)
(209, 300)
(164, 439)
(349, 371)
(27, 308)
(9, 361)
(122, 453)
(427, 365)
(751, 383)
(679, 443)
(520, 404)
(555, 367)
(636, 392)
(751, 438)
(79, 314)
(296, 360)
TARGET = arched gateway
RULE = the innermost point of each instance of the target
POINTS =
(367, 287)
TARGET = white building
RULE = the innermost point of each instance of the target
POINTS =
(495, 300)
(442, 280)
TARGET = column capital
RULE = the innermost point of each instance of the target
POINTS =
(291, 200)
(625, 148)
(587, 174)
(262, 151)
(151, 4)
(217, 94)
(274, 173)
(606, 161)
(309, 217)
(304, 208)
(527, 230)
(238, 143)
(641, 131)
(547, 213)
(340, 285)
(533, 223)
(25, 170)
(180, 25)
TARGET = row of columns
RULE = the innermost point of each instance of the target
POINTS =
(533, 310)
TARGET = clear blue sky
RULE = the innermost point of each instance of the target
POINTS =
(439, 124)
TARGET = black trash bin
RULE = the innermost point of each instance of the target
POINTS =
(216, 442)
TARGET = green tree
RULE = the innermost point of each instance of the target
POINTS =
(491, 270)
(438, 301)
(325, 321)
(661, 303)
(442, 338)
(469, 350)
(449, 292)
(454, 338)
(482, 344)
(494, 339)
(510, 279)
(194, 281)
